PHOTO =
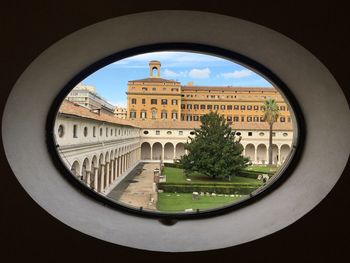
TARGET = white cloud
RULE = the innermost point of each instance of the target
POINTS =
(199, 73)
(170, 73)
(120, 103)
(237, 74)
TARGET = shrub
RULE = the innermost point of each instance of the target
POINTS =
(241, 189)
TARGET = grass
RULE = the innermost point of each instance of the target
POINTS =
(176, 175)
(175, 202)
(261, 168)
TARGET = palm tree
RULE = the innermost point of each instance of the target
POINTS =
(271, 113)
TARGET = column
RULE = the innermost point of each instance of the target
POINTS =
(111, 179)
(95, 178)
(107, 174)
(102, 175)
(88, 180)
(255, 154)
(152, 152)
(162, 157)
(174, 155)
(267, 155)
(279, 154)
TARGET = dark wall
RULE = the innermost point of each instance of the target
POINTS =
(28, 233)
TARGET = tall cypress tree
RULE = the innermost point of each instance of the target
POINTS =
(214, 151)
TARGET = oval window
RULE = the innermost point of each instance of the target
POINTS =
(213, 170)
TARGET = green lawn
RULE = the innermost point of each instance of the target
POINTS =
(261, 169)
(176, 175)
(175, 202)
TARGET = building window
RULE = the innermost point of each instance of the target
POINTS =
(132, 114)
(144, 89)
(256, 107)
(75, 131)
(174, 115)
(181, 132)
(94, 131)
(157, 132)
(285, 134)
(229, 107)
(192, 133)
(273, 134)
(100, 131)
(256, 119)
(143, 114)
(216, 107)
(250, 133)
(235, 107)
(282, 119)
(154, 89)
(242, 107)
(106, 132)
(189, 117)
(164, 115)
(169, 132)
(238, 133)
(236, 119)
(222, 107)
(60, 131)
(145, 132)
(154, 114)
(262, 119)
(242, 119)
(283, 108)
(209, 107)
(111, 132)
(173, 102)
(143, 101)
(183, 106)
(202, 107)
(249, 119)
(249, 107)
(85, 131)
(164, 101)
(133, 101)
(189, 106)
(229, 118)
(195, 117)
(261, 134)
(196, 106)
(262, 107)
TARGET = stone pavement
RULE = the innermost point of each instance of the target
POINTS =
(140, 192)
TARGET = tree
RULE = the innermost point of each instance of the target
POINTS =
(271, 113)
(214, 150)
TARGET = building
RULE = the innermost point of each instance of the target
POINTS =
(155, 98)
(101, 149)
(86, 96)
(120, 112)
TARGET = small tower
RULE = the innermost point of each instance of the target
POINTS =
(154, 65)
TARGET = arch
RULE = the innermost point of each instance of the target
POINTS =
(145, 151)
(284, 152)
(250, 152)
(94, 167)
(85, 167)
(179, 150)
(261, 154)
(169, 151)
(75, 169)
(157, 151)
(99, 177)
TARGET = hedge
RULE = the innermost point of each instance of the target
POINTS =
(218, 189)
(174, 165)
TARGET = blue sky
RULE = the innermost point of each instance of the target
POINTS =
(111, 81)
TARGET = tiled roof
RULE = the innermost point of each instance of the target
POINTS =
(70, 108)
(171, 124)
(154, 80)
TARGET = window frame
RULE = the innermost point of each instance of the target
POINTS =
(190, 47)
